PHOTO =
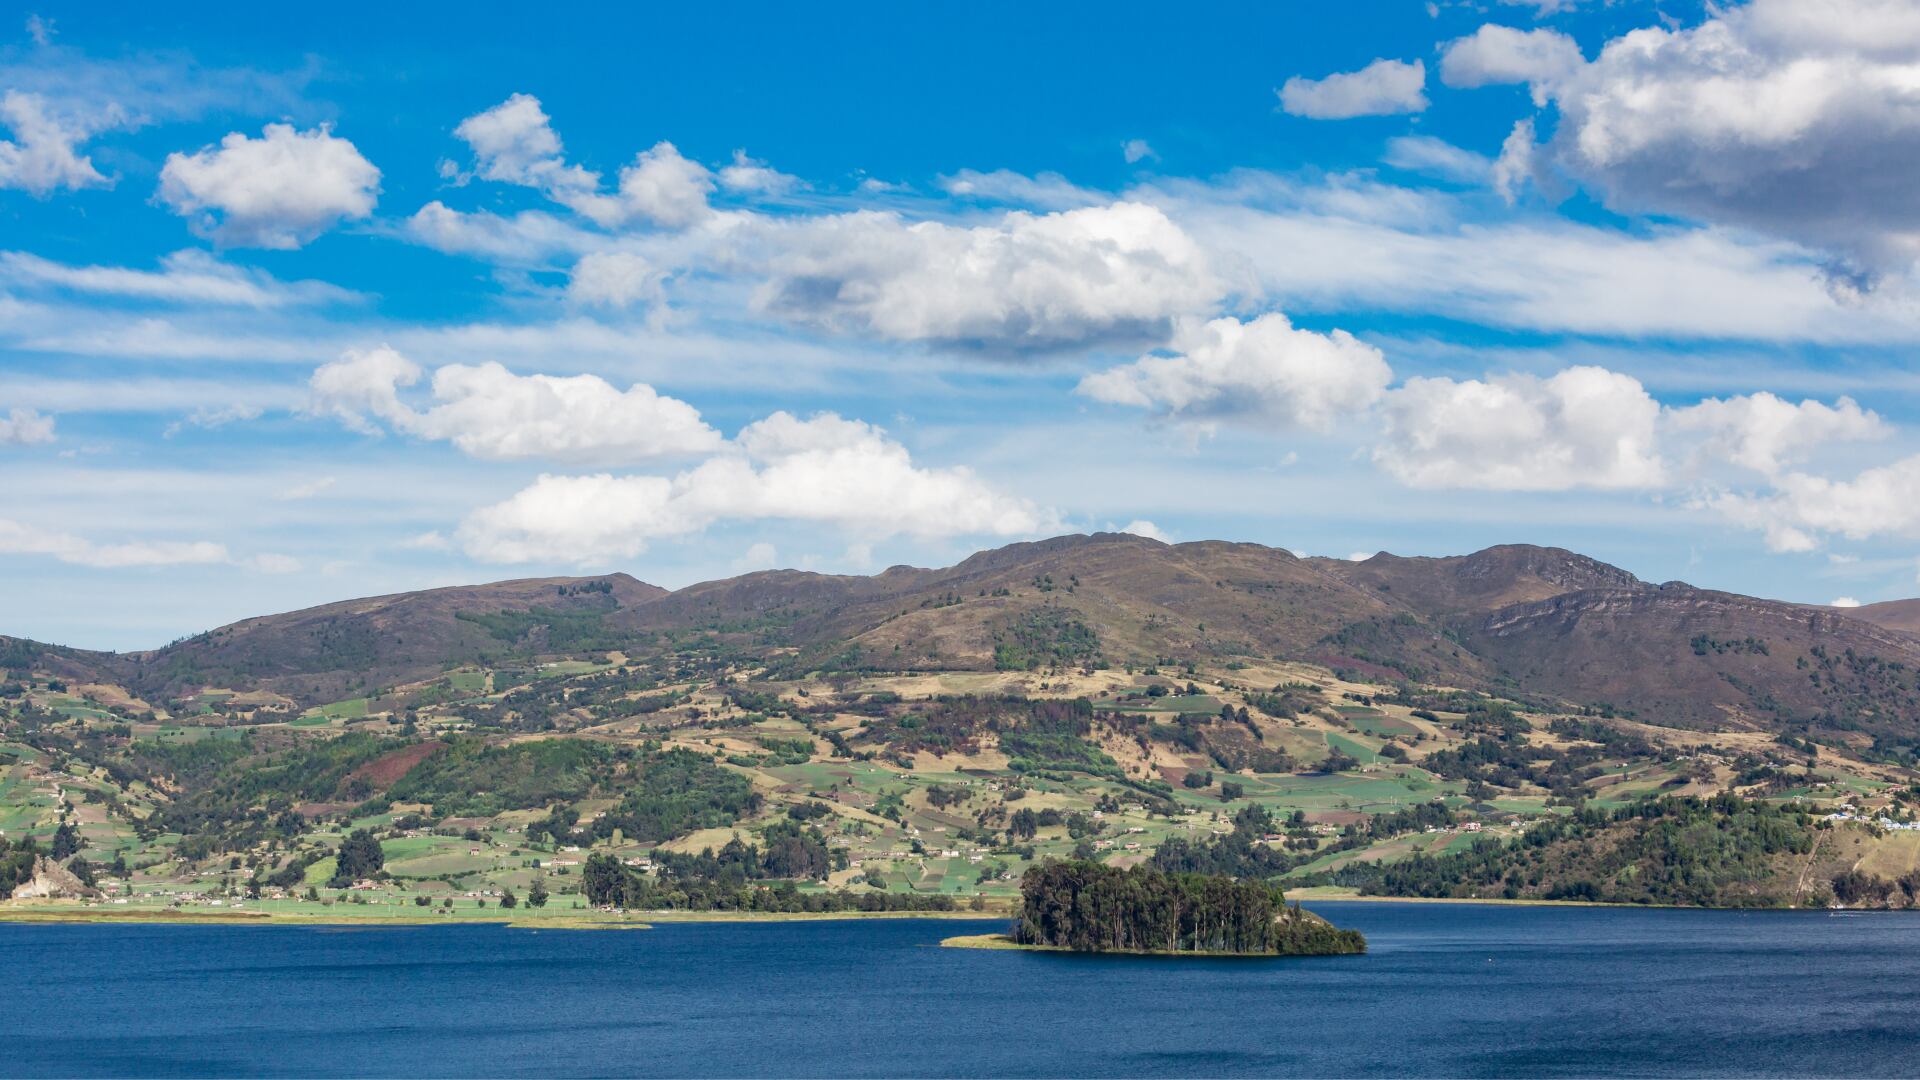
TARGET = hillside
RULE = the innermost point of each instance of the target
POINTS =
(352, 647)
(1540, 623)
(1521, 721)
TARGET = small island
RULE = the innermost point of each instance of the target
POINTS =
(1084, 906)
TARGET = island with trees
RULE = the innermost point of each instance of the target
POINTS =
(1085, 906)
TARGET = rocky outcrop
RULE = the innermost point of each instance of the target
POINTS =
(51, 881)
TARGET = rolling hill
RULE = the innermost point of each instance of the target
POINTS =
(1531, 622)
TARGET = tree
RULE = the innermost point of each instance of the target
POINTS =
(604, 880)
(537, 896)
(1023, 824)
(508, 900)
(66, 841)
(359, 857)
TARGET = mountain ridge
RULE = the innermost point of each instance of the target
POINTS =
(1526, 619)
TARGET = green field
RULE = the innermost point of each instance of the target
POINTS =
(350, 709)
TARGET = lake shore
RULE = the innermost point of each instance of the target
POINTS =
(1001, 942)
(35, 912)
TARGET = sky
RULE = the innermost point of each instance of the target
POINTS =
(294, 310)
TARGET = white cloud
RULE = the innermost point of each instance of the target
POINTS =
(1583, 427)
(1794, 117)
(750, 176)
(1348, 243)
(185, 277)
(1136, 151)
(661, 186)
(489, 412)
(43, 156)
(18, 538)
(527, 237)
(1266, 370)
(1494, 55)
(278, 191)
(1519, 164)
(1843, 602)
(1026, 281)
(1544, 8)
(308, 489)
(271, 563)
(823, 470)
(514, 143)
(1047, 191)
(616, 279)
(1382, 88)
(1801, 508)
(1143, 527)
(210, 417)
(25, 427)
(1437, 157)
(1765, 433)
(760, 556)
(427, 541)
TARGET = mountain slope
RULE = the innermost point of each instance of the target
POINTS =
(1545, 624)
(343, 649)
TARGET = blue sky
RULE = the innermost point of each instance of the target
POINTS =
(296, 310)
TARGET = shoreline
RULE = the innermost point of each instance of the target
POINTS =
(1003, 943)
(37, 912)
(53, 914)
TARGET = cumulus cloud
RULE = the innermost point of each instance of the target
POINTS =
(490, 412)
(1493, 55)
(1843, 602)
(1765, 433)
(1136, 151)
(514, 143)
(278, 191)
(1583, 427)
(43, 155)
(19, 538)
(1795, 118)
(749, 176)
(1519, 164)
(25, 427)
(1801, 508)
(823, 470)
(662, 186)
(616, 279)
(1143, 527)
(1382, 88)
(1025, 281)
(1266, 369)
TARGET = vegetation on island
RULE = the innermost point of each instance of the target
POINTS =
(1087, 907)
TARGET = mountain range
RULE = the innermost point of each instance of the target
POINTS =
(1533, 623)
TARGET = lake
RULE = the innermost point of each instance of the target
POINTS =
(1459, 990)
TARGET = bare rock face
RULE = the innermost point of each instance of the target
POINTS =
(51, 881)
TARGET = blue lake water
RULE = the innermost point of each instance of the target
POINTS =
(1447, 990)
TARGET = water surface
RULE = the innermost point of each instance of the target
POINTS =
(1447, 989)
